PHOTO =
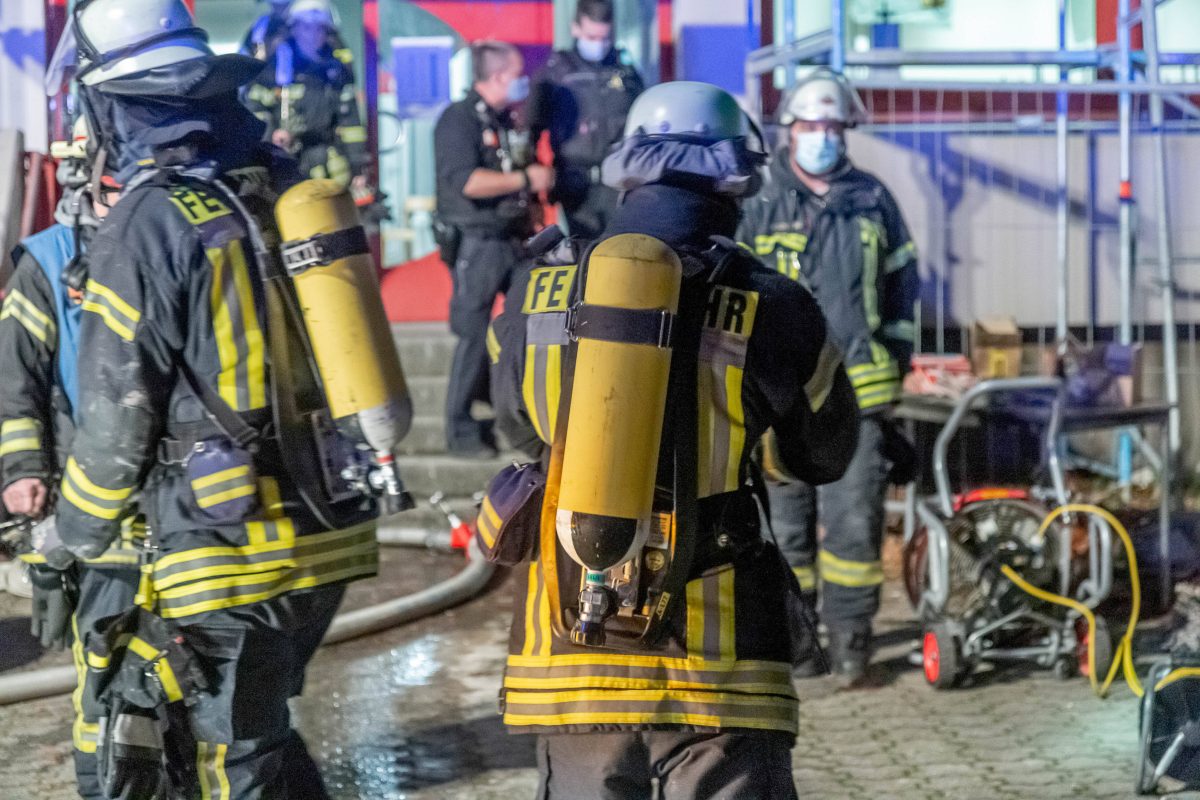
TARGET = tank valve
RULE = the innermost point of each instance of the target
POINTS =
(595, 606)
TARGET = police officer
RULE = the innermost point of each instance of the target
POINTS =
(582, 96)
(838, 231)
(193, 385)
(39, 340)
(705, 707)
(486, 189)
(305, 93)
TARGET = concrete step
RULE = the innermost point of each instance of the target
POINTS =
(428, 394)
(457, 477)
(425, 350)
(427, 435)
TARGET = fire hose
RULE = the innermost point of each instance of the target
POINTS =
(464, 585)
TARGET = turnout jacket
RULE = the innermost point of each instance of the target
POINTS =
(173, 284)
(852, 249)
(39, 332)
(315, 102)
(724, 661)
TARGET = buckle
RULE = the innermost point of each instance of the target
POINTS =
(303, 255)
(572, 321)
(666, 325)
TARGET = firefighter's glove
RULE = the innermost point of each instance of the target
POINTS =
(130, 754)
(55, 594)
(900, 453)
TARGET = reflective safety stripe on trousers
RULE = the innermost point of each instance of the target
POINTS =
(207, 579)
(844, 572)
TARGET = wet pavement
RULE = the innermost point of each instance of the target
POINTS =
(411, 714)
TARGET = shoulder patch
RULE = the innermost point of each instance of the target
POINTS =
(549, 289)
(197, 206)
(731, 311)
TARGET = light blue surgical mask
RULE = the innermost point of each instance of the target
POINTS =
(817, 152)
(593, 49)
(518, 90)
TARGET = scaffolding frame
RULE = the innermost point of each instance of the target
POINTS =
(828, 48)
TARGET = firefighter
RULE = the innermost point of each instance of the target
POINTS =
(582, 96)
(193, 384)
(838, 231)
(306, 95)
(267, 32)
(39, 339)
(486, 187)
(701, 700)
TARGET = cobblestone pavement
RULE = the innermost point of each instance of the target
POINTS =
(410, 714)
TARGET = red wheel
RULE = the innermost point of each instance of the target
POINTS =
(940, 658)
(1103, 647)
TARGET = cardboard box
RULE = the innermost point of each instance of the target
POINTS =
(996, 348)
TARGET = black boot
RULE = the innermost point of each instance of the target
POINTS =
(849, 650)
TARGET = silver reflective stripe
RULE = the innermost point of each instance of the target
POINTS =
(137, 731)
(547, 328)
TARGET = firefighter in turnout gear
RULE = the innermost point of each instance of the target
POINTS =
(692, 686)
(39, 341)
(306, 95)
(838, 231)
(582, 97)
(194, 383)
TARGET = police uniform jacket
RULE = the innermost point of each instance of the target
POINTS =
(852, 249)
(472, 135)
(765, 361)
(583, 104)
(318, 107)
(173, 285)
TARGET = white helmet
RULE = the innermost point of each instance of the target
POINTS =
(121, 37)
(687, 108)
(318, 11)
(823, 96)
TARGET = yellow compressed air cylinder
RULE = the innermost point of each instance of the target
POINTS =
(343, 312)
(618, 399)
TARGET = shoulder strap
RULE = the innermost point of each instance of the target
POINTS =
(225, 418)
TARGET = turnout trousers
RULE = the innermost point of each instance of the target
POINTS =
(665, 765)
(850, 511)
(483, 270)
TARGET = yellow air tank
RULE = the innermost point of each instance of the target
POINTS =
(618, 398)
(326, 254)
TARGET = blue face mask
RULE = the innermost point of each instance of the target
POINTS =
(518, 90)
(593, 49)
(817, 152)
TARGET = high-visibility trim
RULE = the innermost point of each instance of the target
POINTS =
(707, 432)
(737, 426)
(81, 492)
(224, 486)
(120, 317)
(623, 682)
(220, 477)
(901, 257)
(806, 577)
(845, 572)
(765, 243)
(20, 435)
(549, 289)
(725, 617)
(20, 308)
(646, 662)
(241, 381)
(170, 563)
(166, 675)
(488, 522)
(867, 373)
(820, 383)
(871, 236)
(877, 396)
(695, 617)
(529, 393)
(493, 345)
(225, 496)
(84, 734)
(351, 134)
(904, 330)
(210, 768)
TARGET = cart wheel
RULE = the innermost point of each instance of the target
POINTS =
(1103, 647)
(941, 658)
(1065, 668)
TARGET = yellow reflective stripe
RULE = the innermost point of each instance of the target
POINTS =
(225, 496)
(18, 307)
(532, 589)
(806, 577)
(220, 477)
(208, 579)
(641, 695)
(120, 317)
(83, 734)
(488, 522)
(19, 446)
(17, 297)
(706, 424)
(870, 243)
(875, 396)
(844, 572)
(493, 345)
(553, 383)
(765, 243)
(543, 623)
(352, 134)
(18, 425)
(32, 558)
(695, 617)
(902, 256)
(820, 383)
(726, 614)
(639, 718)
(128, 311)
(529, 392)
(616, 682)
(255, 350)
(656, 662)
(223, 330)
(166, 677)
(97, 661)
(268, 495)
(76, 472)
(905, 330)
(307, 541)
(210, 767)
(141, 647)
(737, 426)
